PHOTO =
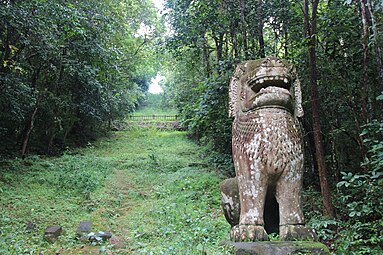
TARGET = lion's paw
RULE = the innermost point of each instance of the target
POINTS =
(248, 233)
(297, 232)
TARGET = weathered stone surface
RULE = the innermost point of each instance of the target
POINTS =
(231, 206)
(84, 227)
(230, 201)
(278, 248)
(52, 232)
(265, 101)
(100, 236)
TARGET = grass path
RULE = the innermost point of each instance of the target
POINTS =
(159, 197)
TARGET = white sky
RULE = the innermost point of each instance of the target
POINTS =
(159, 4)
(154, 86)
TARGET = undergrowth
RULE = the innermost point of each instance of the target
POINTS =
(39, 192)
(358, 228)
(152, 189)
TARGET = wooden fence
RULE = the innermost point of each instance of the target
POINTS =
(153, 117)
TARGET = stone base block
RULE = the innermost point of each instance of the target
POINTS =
(278, 248)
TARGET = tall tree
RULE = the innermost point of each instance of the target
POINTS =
(364, 80)
(311, 33)
(376, 41)
(242, 5)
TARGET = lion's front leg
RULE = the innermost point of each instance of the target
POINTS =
(288, 194)
(252, 183)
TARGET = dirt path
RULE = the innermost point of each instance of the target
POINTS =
(161, 199)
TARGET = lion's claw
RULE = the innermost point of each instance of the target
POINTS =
(248, 233)
(297, 232)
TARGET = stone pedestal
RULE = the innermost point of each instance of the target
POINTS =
(278, 248)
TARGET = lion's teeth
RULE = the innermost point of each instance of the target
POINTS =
(261, 81)
(285, 80)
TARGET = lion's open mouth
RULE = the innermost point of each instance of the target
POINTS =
(265, 81)
(272, 72)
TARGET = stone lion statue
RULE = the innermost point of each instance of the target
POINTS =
(265, 101)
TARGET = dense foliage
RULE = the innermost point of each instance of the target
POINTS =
(68, 69)
(210, 37)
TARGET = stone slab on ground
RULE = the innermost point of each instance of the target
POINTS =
(84, 227)
(278, 248)
(52, 233)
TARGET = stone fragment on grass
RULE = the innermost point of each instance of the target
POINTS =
(52, 233)
(100, 236)
(104, 235)
(84, 228)
(30, 226)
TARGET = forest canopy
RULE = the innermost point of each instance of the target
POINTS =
(68, 69)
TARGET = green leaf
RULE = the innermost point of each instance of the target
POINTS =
(376, 175)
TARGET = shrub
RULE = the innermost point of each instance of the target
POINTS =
(362, 232)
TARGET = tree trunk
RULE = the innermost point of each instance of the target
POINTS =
(286, 44)
(56, 113)
(52, 135)
(29, 126)
(254, 44)
(206, 57)
(219, 47)
(365, 59)
(235, 44)
(310, 27)
(243, 28)
(378, 50)
(261, 39)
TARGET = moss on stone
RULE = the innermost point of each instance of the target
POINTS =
(279, 248)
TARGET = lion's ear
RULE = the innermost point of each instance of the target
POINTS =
(298, 109)
(233, 96)
(235, 90)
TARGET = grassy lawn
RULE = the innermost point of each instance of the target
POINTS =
(151, 189)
